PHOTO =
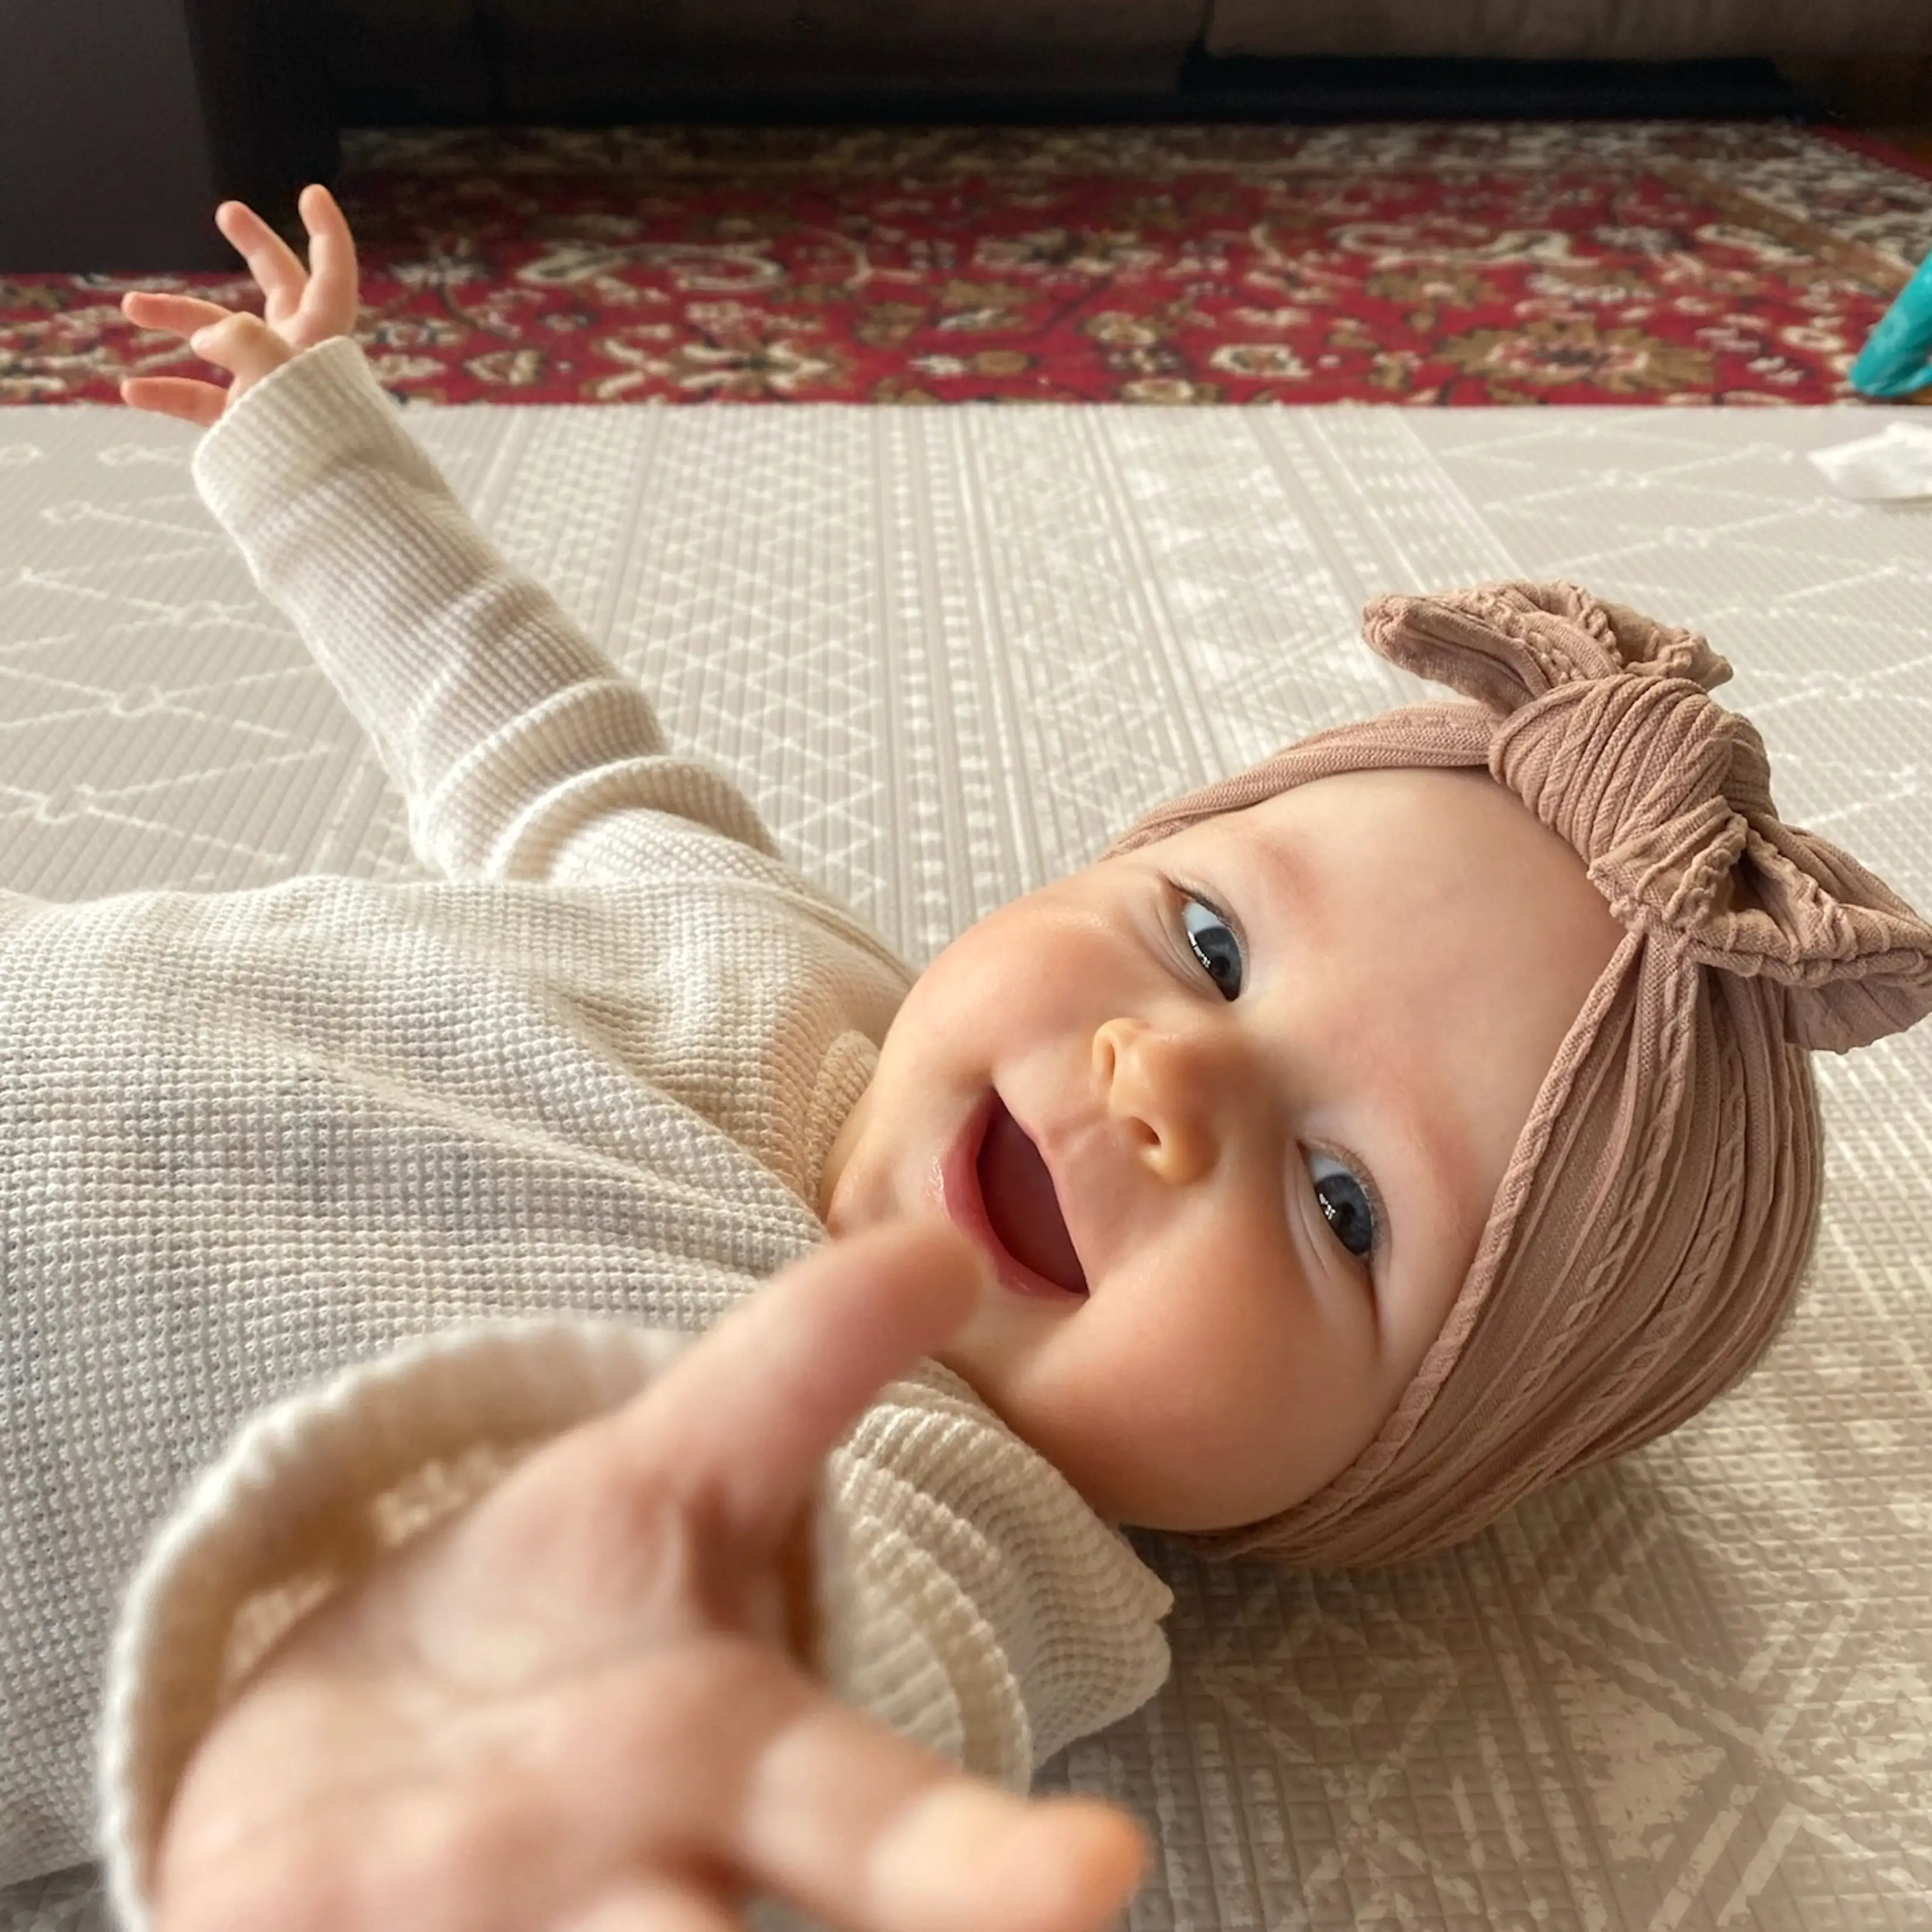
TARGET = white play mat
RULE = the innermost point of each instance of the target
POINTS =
(950, 652)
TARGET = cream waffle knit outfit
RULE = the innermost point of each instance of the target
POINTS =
(409, 1178)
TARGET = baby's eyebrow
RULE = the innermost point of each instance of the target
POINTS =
(1288, 886)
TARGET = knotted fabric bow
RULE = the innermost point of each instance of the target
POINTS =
(1651, 1231)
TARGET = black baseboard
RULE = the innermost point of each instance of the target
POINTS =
(1499, 90)
(1240, 88)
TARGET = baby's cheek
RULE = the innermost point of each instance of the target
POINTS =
(1180, 1339)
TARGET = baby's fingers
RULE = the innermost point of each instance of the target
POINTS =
(658, 1904)
(278, 270)
(863, 1829)
(243, 344)
(180, 315)
(330, 302)
(742, 1423)
(200, 403)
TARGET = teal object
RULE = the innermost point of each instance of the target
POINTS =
(1897, 358)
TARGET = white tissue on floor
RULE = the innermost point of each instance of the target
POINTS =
(1897, 462)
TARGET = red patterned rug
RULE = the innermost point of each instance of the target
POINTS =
(1418, 263)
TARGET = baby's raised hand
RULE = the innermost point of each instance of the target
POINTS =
(303, 306)
(574, 1706)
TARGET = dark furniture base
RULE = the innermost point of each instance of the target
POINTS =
(124, 122)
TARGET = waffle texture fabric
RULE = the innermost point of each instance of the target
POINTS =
(1655, 1219)
(322, 1205)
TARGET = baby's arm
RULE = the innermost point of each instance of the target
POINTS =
(508, 731)
(573, 1686)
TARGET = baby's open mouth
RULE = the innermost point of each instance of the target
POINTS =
(1022, 1204)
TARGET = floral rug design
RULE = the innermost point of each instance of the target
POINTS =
(1244, 262)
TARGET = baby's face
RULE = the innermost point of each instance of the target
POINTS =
(1276, 1066)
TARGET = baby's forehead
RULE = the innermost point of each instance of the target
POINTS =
(1449, 848)
(1448, 815)
(1416, 833)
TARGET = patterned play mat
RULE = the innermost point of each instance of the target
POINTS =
(1613, 262)
(1689, 1692)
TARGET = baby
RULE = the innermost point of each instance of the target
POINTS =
(1363, 1142)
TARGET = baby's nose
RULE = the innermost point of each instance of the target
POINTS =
(1156, 1087)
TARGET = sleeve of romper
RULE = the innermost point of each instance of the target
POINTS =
(965, 1595)
(504, 727)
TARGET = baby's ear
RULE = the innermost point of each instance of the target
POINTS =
(1506, 643)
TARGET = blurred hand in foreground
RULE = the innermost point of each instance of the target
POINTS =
(578, 1704)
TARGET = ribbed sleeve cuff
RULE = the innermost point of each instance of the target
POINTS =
(294, 426)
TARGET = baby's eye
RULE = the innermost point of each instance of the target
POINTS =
(1344, 1202)
(1215, 946)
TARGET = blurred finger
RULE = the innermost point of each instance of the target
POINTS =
(198, 402)
(332, 255)
(153, 308)
(657, 1904)
(861, 1827)
(746, 1418)
(273, 263)
(782, 1788)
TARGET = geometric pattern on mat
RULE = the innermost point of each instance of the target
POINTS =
(949, 653)
(1231, 263)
